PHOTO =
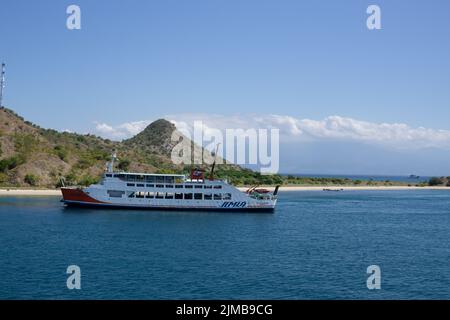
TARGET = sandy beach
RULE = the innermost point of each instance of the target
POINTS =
(30, 192)
(57, 192)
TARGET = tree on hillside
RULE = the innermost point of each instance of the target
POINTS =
(124, 164)
(31, 179)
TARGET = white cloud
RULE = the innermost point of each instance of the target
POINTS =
(397, 135)
(122, 131)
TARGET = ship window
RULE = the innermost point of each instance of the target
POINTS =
(217, 187)
(130, 194)
(139, 178)
(169, 186)
(226, 196)
(150, 195)
(160, 186)
(188, 196)
(130, 184)
(131, 177)
(198, 187)
(120, 176)
(159, 179)
(140, 194)
(217, 196)
(159, 195)
(178, 196)
(188, 186)
(208, 187)
(140, 185)
(178, 186)
(150, 179)
(115, 193)
(208, 196)
(169, 179)
(198, 196)
(108, 175)
(169, 195)
(150, 185)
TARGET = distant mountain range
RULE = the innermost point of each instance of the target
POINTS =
(34, 156)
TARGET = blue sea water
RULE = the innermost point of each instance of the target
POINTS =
(317, 245)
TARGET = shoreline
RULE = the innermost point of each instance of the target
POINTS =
(351, 188)
(29, 192)
(57, 192)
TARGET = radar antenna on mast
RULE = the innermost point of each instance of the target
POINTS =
(2, 83)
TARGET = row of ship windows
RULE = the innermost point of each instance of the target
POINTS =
(171, 186)
(143, 178)
(169, 195)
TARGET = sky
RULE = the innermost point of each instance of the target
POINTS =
(347, 100)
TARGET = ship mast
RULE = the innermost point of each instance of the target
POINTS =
(2, 83)
(110, 166)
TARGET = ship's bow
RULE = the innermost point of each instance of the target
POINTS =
(77, 196)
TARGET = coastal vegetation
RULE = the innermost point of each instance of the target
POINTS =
(439, 181)
(31, 179)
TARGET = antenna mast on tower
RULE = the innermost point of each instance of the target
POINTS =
(2, 83)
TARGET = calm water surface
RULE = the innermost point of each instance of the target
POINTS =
(317, 245)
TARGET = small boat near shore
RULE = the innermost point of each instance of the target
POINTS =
(333, 189)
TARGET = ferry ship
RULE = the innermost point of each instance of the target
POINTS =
(169, 192)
